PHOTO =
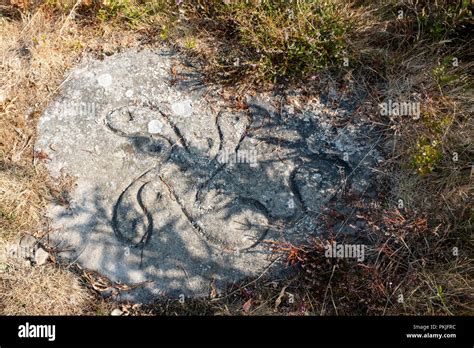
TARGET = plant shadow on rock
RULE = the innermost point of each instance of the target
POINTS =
(170, 241)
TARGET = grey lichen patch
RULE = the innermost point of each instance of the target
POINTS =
(175, 188)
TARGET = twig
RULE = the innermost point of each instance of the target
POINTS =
(327, 288)
(69, 16)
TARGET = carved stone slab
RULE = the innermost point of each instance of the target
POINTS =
(177, 188)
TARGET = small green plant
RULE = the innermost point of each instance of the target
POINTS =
(164, 34)
(437, 125)
(443, 19)
(76, 45)
(190, 43)
(441, 72)
(426, 156)
(125, 10)
(288, 38)
(7, 216)
(63, 5)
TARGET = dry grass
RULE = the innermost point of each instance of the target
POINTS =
(409, 268)
(389, 58)
(42, 290)
(22, 201)
(33, 59)
(36, 50)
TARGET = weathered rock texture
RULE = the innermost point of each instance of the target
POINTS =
(178, 187)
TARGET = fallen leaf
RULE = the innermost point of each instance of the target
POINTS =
(278, 300)
(41, 155)
(241, 105)
(214, 293)
(247, 306)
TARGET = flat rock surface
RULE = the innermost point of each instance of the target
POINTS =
(178, 187)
